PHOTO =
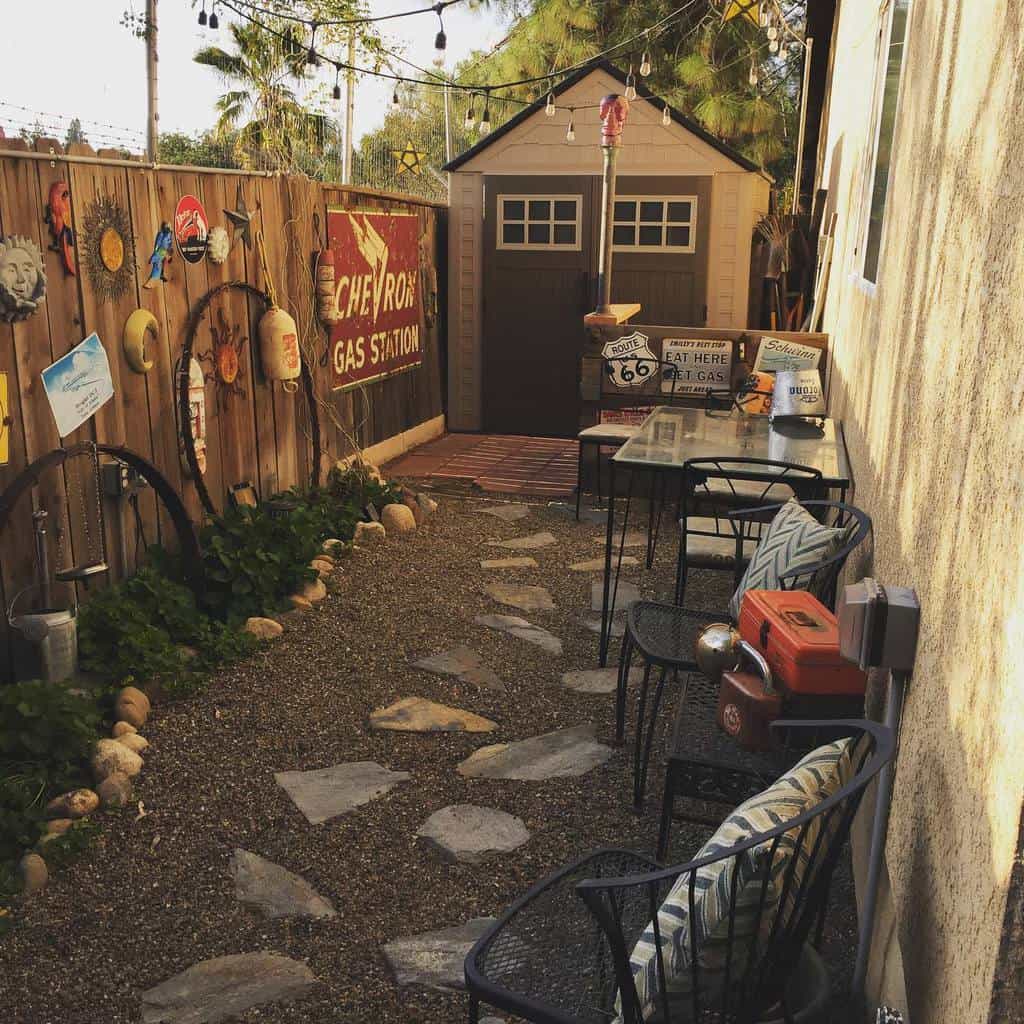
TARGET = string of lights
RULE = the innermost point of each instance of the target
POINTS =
(438, 9)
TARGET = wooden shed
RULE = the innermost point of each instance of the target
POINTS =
(523, 238)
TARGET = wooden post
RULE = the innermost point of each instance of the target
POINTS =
(604, 253)
(350, 107)
(798, 170)
(152, 81)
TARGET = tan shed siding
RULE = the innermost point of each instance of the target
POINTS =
(727, 290)
(927, 379)
(465, 231)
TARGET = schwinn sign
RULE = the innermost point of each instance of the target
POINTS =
(629, 361)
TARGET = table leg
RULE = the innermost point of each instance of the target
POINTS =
(609, 534)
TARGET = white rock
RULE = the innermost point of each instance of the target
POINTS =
(397, 518)
(276, 891)
(75, 804)
(113, 756)
(471, 834)
(121, 728)
(314, 591)
(32, 873)
(115, 790)
(132, 706)
(263, 629)
(369, 534)
(133, 741)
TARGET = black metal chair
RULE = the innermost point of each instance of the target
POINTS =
(561, 953)
(713, 487)
(664, 634)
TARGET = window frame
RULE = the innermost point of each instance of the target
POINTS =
(664, 223)
(526, 199)
(883, 45)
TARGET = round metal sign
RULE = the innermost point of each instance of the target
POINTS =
(112, 250)
(191, 229)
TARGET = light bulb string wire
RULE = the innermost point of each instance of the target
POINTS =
(437, 8)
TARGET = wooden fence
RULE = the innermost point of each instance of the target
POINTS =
(258, 433)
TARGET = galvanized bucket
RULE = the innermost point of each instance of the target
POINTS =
(53, 633)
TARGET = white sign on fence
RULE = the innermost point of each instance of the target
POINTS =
(78, 384)
(629, 361)
(774, 354)
(695, 364)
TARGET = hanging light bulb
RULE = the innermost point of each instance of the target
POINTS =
(202, 15)
(753, 77)
(440, 40)
(549, 107)
(645, 65)
(336, 92)
(773, 46)
(666, 116)
(312, 57)
(470, 117)
(773, 32)
(630, 85)
(214, 20)
(570, 133)
(395, 103)
(485, 121)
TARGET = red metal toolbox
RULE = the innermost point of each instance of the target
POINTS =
(799, 638)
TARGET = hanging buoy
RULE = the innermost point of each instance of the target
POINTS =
(279, 336)
(325, 305)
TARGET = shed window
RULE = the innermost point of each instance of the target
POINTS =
(539, 222)
(655, 223)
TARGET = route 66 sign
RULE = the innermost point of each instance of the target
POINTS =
(629, 361)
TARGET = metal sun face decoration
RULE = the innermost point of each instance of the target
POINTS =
(225, 355)
(107, 249)
(22, 278)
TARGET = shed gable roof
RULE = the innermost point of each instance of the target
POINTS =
(578, 76)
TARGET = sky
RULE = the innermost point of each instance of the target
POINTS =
(72, 58)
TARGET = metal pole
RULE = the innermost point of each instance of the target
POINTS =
(152, 112)
(798, 170)
(604, 253)
(447, 127)
(350, 107)
(893, 714)
(42, 558)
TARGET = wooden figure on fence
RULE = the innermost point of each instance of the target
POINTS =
(228, 342)
(218, 245)
(107, 249)
(58, 217)
(196, 415)
(163, 246)
(22, 278)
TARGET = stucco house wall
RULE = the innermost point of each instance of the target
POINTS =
(927, 375)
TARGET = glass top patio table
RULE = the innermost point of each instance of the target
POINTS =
(670, 435)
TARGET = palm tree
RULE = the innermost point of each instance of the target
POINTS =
(261, 109)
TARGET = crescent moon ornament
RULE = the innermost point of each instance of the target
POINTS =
(137, 326)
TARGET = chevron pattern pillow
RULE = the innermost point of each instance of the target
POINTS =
(794, 540)
(815, 778)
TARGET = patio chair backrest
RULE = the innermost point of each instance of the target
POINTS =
(749, 481)
(765, 917)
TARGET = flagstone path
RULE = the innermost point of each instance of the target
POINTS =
(524, 596)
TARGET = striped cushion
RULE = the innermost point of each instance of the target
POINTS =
(814, 779)
(794, 540)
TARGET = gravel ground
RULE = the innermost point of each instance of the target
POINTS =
(155, 895)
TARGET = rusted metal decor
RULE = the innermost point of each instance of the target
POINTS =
(614, 111)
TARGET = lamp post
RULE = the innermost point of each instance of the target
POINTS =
(614, 110)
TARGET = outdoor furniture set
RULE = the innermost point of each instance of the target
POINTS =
(731, 935)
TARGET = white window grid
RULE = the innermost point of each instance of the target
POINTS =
(664, 223)
(526, 220)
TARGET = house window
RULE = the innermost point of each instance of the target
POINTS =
(538, 222)
(655, 223)
(891, 48)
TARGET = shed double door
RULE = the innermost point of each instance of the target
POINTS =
(540, 241)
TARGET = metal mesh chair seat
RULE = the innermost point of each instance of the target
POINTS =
(665, 634)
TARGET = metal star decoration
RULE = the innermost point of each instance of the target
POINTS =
(409, 159)
(743, 9)
(241, 220)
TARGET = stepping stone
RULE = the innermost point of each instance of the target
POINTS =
(597, 564)
(224, 987)
(598, 680)
(617, 627)
(435, 959)
(554, 755)
(415, 714)
(471, 834)
(527, 543)
(524, 596)
(626, 594)
(510, 513)
(326, 793)
(522, 562)
(522, 629)
(465, 664)
(275, 891)
(633, 539)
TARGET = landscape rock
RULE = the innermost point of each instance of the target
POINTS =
(413, 506)
(115, 790)
(623, 595)
(616, 627)
(561, 754)
(133, 741)
(528, 543)
(113, 756)
(121, 729)
(465, 664)
(484, 677)
(224, 987)
(415, 714)
(58, 826)
(435, 959)
(509, 513)
(300, 603)
(274, 890)
(78, 802)
(332, 546)
(472, 834)
(397, 519)
(369, 534)
(323, 569)
(313, 591)
(32, 873)
(633, 539)
(326, 793)
(263, 629)
(520, 562)
(597, 564)
(132, 706)
(598, 680)
(523, 630)
(427, 503)
(524, 596)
